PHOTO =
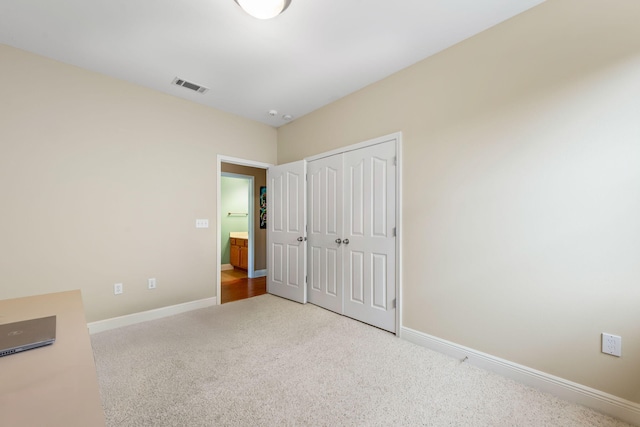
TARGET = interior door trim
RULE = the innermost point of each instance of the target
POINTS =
(236, 161)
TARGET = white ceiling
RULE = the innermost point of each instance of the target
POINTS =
(316, 52)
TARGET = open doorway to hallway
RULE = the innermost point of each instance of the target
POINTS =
(243, 243)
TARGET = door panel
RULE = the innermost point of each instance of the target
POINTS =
(286, 256)
(369, 275)
(379, 285)
(379, 227)
(355, 267)
(277, 263)
(325, 210)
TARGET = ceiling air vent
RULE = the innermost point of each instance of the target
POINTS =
(189, 85)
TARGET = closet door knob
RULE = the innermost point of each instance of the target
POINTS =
(338, 241)
(345, 241)
(300, 239)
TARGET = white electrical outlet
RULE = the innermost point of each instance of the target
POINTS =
(612, 344)
(202, 223)
(117, 289)
(152, 283)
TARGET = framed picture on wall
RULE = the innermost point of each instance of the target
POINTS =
(263, 207)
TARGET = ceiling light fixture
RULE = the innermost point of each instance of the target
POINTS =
(264, 9)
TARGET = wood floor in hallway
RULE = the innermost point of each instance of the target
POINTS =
(235, 285)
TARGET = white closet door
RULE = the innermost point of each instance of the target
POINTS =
(369, 241)
(325, 213)
(286, 220)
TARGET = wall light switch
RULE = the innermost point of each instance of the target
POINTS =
(202, 223)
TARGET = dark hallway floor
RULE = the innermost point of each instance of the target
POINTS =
(235, 285)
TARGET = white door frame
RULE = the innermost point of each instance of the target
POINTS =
(236, 161)
(398, 138)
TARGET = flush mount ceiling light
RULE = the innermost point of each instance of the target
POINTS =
(264, 9)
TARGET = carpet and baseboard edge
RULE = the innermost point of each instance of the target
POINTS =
(143, 316)
(564, 389)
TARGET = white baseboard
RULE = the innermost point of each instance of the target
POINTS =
(259, 273)
(224, 267)
(567, 390)
(143, 316)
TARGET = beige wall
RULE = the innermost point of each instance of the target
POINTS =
(101, 182)
(259, 235)
(521, 186)
(521, 181)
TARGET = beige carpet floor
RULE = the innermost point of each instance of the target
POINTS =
(266, 361)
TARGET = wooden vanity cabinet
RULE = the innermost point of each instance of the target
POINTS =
(239, 253)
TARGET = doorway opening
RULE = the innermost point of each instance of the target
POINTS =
(241, 242)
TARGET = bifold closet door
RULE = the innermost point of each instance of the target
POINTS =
(369, 235)
(351, 216)
(324, 214)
